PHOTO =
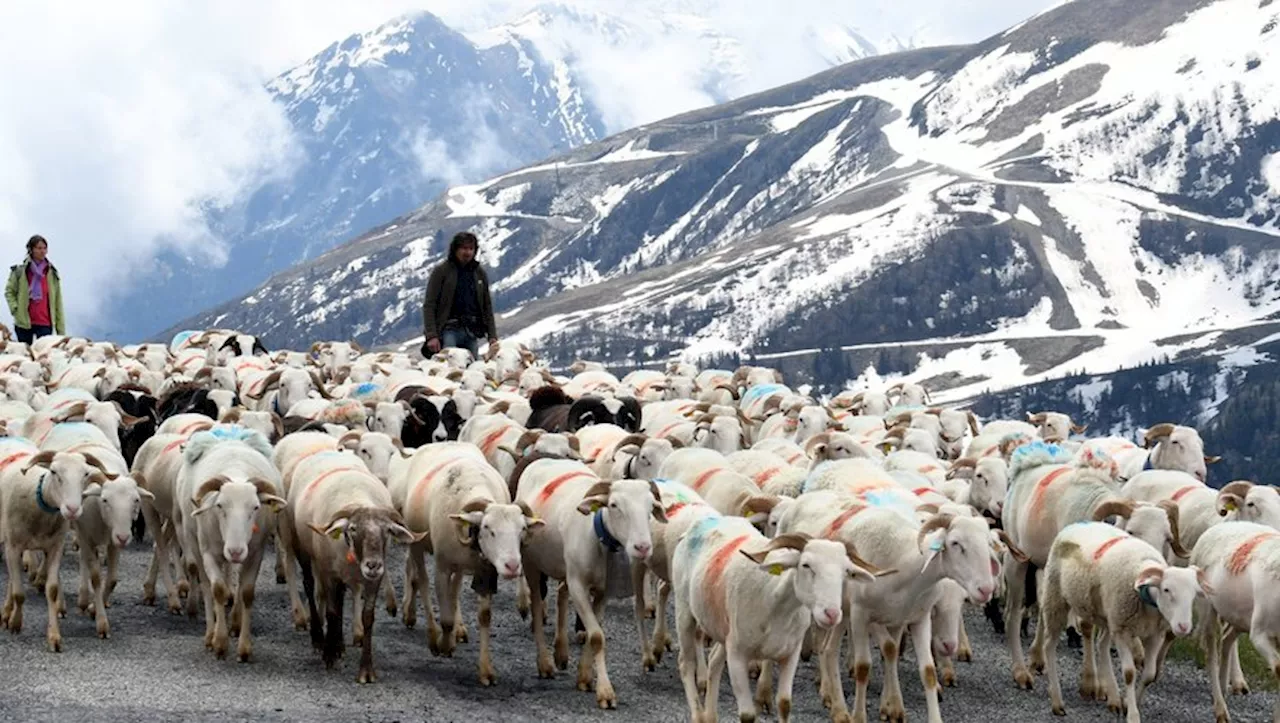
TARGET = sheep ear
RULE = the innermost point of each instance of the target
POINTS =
(145, 494)
(93, 490)
(777, 561)
(335, 530)
(1203, 581)
(275, 503)
(1212, 460)
(591, 504)
(1149, 576)
(404, 535)
(467, 518)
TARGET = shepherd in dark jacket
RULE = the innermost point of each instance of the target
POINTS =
(458, 311)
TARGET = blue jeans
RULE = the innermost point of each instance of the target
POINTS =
(26, 336)
(460, 338)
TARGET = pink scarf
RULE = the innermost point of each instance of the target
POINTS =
(37, 270)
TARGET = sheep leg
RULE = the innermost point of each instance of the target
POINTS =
(281, 578)
(964, 651)
(52, 593)
(409, 604)
(739, 680)
(1239, 686)
(1124, 646)
(715, 668)
(1261, 638)
(1151, 671)
(1015, 574)
(284, 566)
(357, 620)
(593, 653)
(650, 586)
(661, 640)
(447, 599)
(860, 640)
(648, 660)
(333, 638)
(423, 583)
(89, 561)
(1089, 687)
(16, 597)
(562, 626)
(157, 557)
(1213, 644)
(687, 659)
(1108, 688)
(217, 598)
(389, 591)
(1053, 617)
(546, 668)
(807, 645)
(189, 551)
(459, 626)
(248, 593)
(891, 705)
(764, 687)
(113, 574)
(830, 684)
(488, 676)
(309, 587)
(84, 595)
(522, 598)
(367, 611)
(922, 642)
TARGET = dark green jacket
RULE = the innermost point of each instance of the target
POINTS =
(438, 302)
(19, 297)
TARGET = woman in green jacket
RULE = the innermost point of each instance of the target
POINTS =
(34, 294)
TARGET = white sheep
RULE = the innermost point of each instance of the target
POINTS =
(756, 599)
(772, 474)
(1165, 446)
(709, 474)
(592, 529)
(474, 529)
(225, 503)
(41, 495)
(944, 546)
(156, 468)
(1122, 587)
(107, 521)
(279, 390)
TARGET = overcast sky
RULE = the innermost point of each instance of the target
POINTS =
(119, 118)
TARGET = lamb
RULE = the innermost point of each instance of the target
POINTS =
(1123, 587)
(1238, 560)
(41, 494)
(588, 522)
(107, 520)
(944, 546)
(464, 506)
(350, 513)
(225, 504)
(728, 597)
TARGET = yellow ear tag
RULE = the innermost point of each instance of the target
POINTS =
(1229, 506)
(596, 506)
(336, 534)
(775, 569)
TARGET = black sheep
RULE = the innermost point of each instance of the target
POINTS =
(187, 399)
(554, 411)
(430, 419)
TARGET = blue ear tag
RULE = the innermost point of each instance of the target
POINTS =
(936, 545)
(1144, 594)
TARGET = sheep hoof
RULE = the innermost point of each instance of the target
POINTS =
(392, 609)
(410, 617)
(366, 676)
(301, 619)
(648, 663)
(893, 714)
(1059, 710)
(220, 646)
(1023, 679)
(524, 612)
(949, 678)
(1239, 687)
(104, 630)
(965, 655)
(605, 697)
(245, 653)
(55, 642)
(433, 641)
(650, 612)
(487, 676)
(1115, 706)
(357, 639)
(546, 669)
(1221, 718)
(148, 596)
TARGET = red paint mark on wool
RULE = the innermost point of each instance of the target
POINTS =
(833, 528)
(703, 478)
(1182, 492)
(1042, 488)
(1102, 549)
(714, 580)
(763, 477)
(1239, 559)
(555, 484)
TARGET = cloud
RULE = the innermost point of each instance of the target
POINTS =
(122, 119)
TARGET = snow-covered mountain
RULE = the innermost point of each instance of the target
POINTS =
(389, 118)
(1093, 189)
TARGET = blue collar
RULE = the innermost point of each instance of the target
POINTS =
(44, 506)
(603, 534)
(1144, 594)
(275, 406)
(1146, 466)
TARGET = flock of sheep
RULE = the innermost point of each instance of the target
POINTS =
(775, 521)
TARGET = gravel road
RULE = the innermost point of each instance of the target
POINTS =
(155, 667)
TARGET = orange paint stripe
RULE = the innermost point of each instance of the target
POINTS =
(14, 458)
(1102, 550)
(423, 484)
(171, 446)
(1182, 492)
(720, 561)
(551, 487)
(677, 507)
(926, 469)
(662, 433)
(919, 491)
(763, 477)
(703, 478)
(313, 484)
(195, 426)
(833, 528)
(794, 457)
(1239, 559)
(1042, 487)
(490, 441)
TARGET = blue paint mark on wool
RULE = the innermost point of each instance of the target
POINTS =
(762, 390)
(365, 389)
(698, 534)
(232, 432)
